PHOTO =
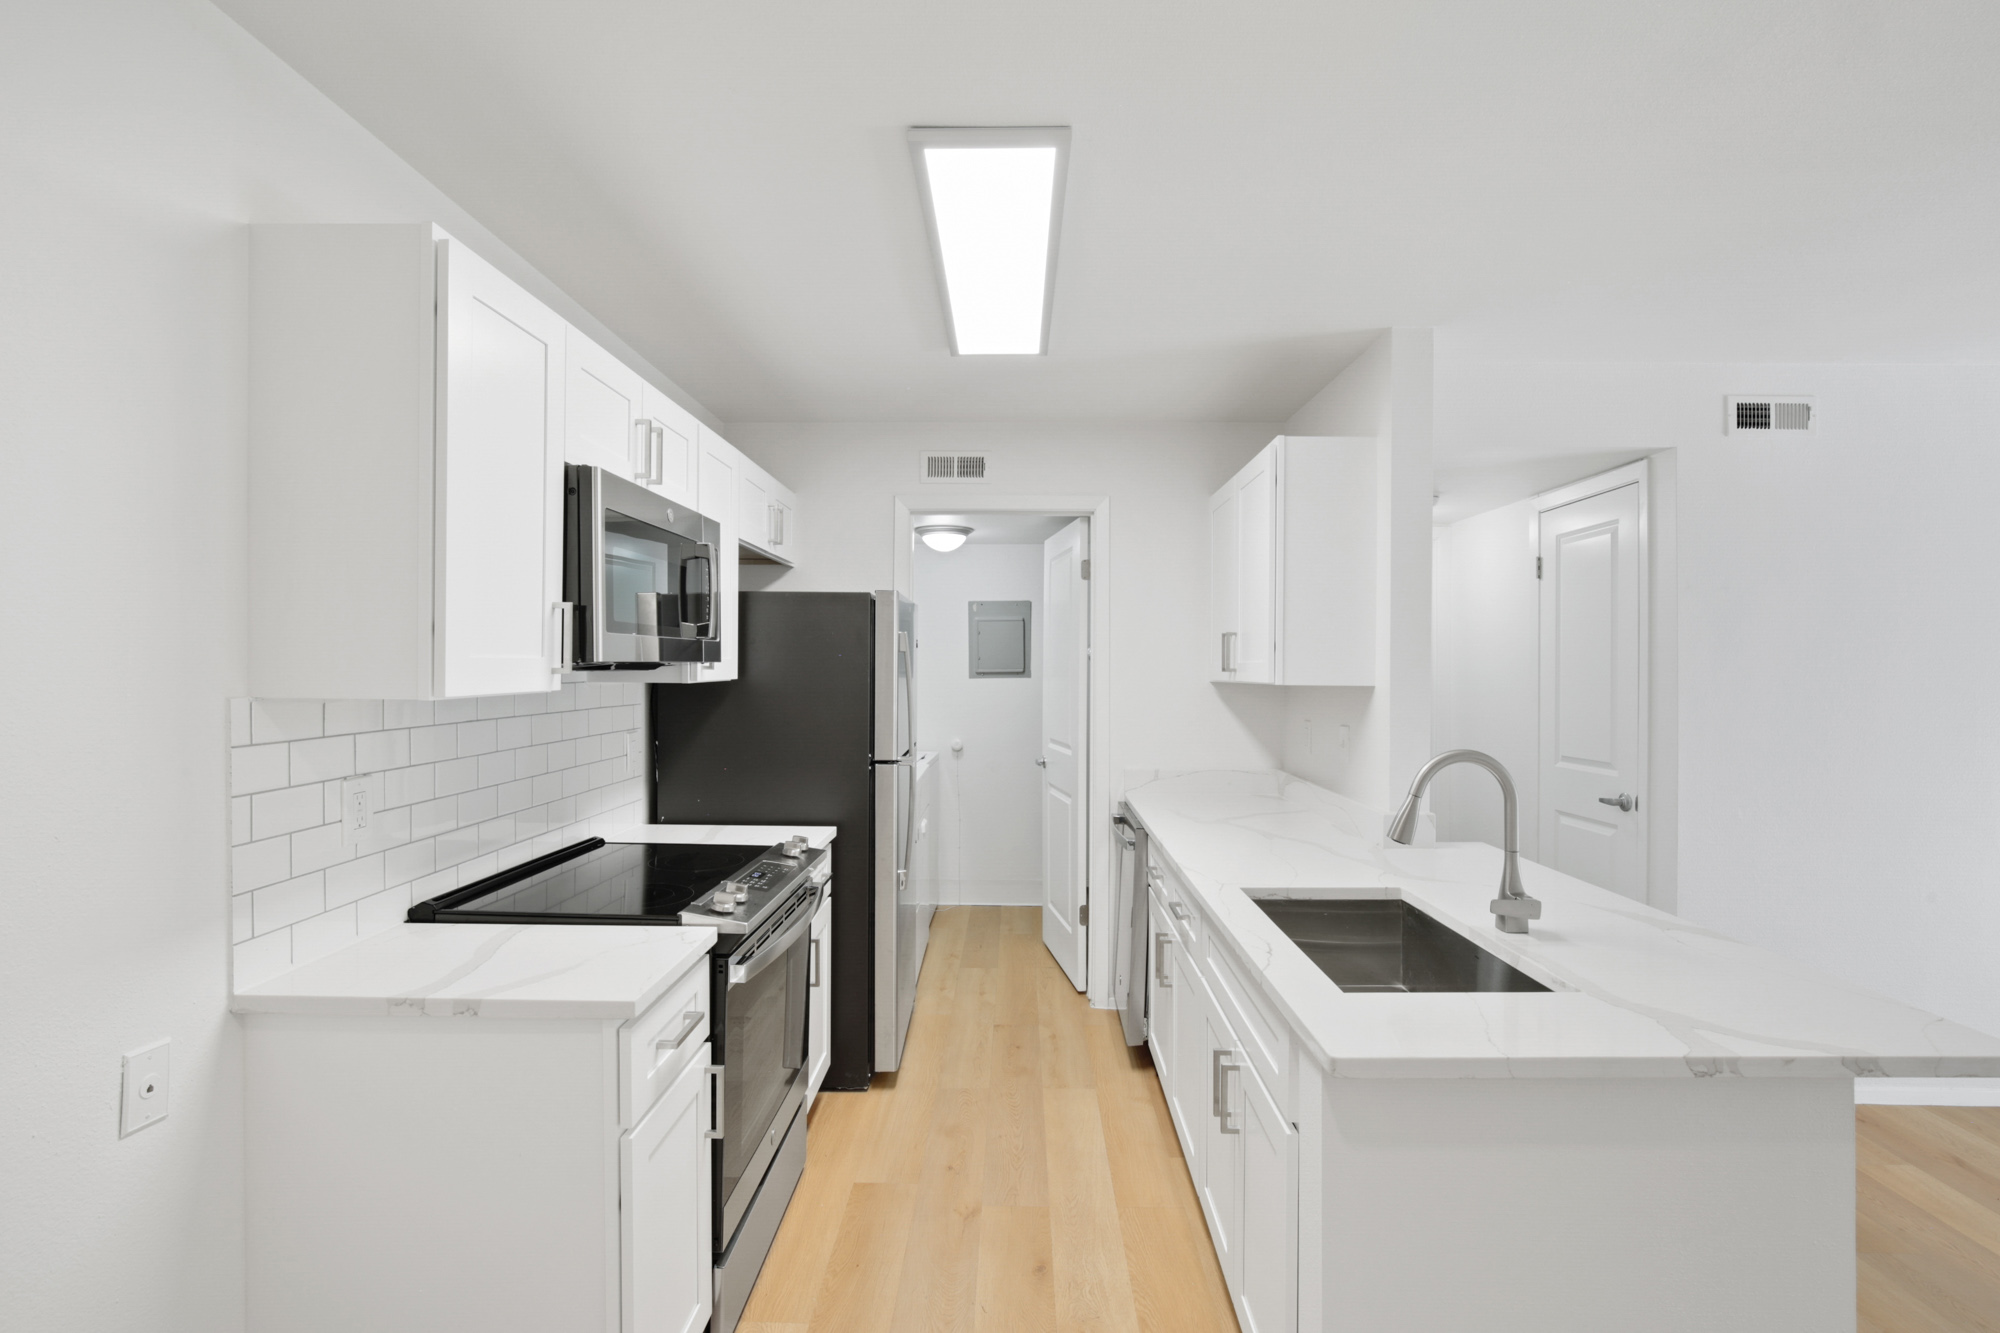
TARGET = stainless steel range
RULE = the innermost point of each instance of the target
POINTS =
(761, 900)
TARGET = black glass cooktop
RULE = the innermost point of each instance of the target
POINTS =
(609, 882)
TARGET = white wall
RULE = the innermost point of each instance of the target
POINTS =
(990, 840)
(1163, 711)
(1839, 750)
(1386, 393)
(137, 137)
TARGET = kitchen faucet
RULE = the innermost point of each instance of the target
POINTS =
(1513, 909)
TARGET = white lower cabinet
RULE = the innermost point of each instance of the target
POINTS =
(456, 1172)
(665, 1250)
(819, 1003)
(1241, 1150)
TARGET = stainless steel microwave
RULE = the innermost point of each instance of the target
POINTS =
(639, 576)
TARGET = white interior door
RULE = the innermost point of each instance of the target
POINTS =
(1065, 726)
(1592, 734)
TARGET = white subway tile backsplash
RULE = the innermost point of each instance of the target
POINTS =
(429, 744)
(293, 900)
(434, 817)
(454, 710)
(464, 787)
(412, 861)
(255, 864)
(318, 848)
(477, 805)
(382, 910)
(496, 768)
(348, 715)
(255, 768)
(408, 786)
(456, 775)
(286, 811)
(318, 760)
(378, 750)
(355, 879)
(389, 828)
(403, 713)
(285, 720)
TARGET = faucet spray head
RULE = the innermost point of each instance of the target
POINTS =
(1403, 828)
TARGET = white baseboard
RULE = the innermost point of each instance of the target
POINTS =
(991, 893)
(1927, 1091)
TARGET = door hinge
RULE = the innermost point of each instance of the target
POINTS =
(1086, 570)
(1538, 566)
(1083, 915)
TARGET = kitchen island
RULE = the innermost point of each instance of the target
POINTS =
(1663, 1139)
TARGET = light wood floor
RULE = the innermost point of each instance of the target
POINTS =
(1018, 1174)
(1928, 1218)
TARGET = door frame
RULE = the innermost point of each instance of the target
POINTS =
(1639, 471)
(1098, 892)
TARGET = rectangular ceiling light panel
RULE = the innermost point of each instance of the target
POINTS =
(994, 202)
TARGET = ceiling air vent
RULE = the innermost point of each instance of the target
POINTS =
(954, 467)
(1770, 414)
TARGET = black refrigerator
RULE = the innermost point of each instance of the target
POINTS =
(817, 729)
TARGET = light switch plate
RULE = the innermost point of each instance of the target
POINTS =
(145, 1095)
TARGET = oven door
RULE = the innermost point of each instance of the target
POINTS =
(641, 573)
(764, 1009)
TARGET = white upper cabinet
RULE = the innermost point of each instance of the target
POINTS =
(720, 466)
(676, 449)
(1292, 566)
(606, 413)
(406, 429)
(768, 514)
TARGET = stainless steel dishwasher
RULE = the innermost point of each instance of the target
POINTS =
(1130, 971)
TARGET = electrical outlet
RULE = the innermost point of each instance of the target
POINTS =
(145, 1088)
(1345, 732)
(359, 799)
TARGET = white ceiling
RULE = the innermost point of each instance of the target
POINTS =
(1252, 186)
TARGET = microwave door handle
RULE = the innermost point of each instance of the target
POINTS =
(705, 560)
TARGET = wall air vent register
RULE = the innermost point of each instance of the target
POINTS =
(1766, 415)
(954, 467)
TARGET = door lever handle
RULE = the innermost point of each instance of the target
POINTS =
(1623, 801)
(1041, 763)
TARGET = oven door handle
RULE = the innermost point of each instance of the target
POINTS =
(774, 948)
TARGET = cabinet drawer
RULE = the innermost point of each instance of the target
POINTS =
(1179, 905)
(660, 1042)
(1267, 1042)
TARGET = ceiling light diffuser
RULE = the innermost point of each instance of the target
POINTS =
(943, 536)
(993, 204)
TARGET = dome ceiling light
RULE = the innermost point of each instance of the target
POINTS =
(944, 536)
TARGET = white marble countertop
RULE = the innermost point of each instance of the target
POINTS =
(1638, 993)
(463, 969)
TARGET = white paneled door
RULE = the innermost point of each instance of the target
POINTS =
(1592, 738)
(1065, 724)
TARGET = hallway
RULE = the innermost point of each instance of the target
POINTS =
(1019, 1173)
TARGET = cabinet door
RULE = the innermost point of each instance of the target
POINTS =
(1256, 567)
(677, 449)
(1267, 1294)
(666, 1257)
(819, 1007)
(1223, 585)
(499, 483)
(753, 507)
(720, 466)
(1221, 1181)
(1160, 995)
(1192, 1094)
(605, 409)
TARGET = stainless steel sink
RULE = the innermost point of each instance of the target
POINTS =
(1385, 945)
